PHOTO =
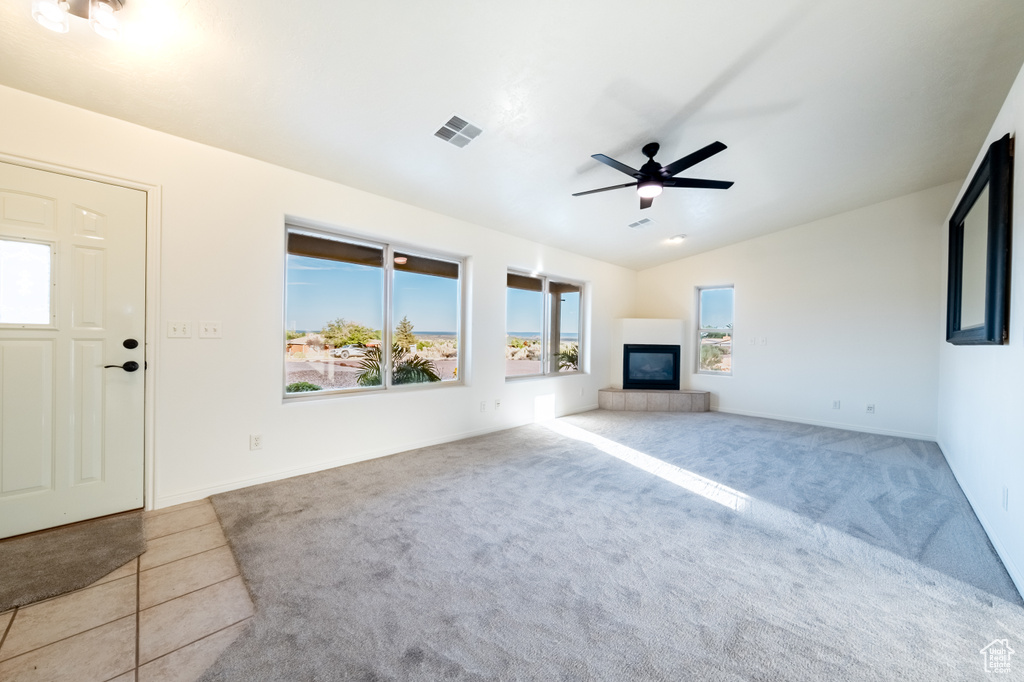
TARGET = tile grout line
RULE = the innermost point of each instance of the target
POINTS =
(138, 610)
(198, 589)
(153, 513)
(187, 556)
(185, 530)
(64, 639)
(183, 646)
(10, 624)
(90, 586)
(174, 561)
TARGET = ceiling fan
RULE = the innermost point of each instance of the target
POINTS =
(653, 177)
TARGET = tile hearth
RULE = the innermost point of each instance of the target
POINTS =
(636, 400)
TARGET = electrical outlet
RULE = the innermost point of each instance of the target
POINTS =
(764, 340)
(835, 404)
(483, 405)
(256, 441)
(753, 340)
(209, 330)
(497, 404)
(1006, 498)
(179, 329)
(871, 408)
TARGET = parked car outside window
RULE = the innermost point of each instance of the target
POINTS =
(349, 350)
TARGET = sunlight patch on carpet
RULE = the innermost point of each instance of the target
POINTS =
(705, 487)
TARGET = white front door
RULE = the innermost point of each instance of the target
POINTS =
(72, 302)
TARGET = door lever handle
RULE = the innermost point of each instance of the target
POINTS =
(129, 366)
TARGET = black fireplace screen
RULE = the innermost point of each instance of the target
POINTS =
(650, 366)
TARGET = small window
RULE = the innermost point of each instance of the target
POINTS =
(542, 326)
(715, 330)
(25, 282)
(335, 311)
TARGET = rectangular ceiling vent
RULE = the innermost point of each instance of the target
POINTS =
(458, 132)
(643, 222)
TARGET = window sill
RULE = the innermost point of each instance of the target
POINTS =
(527, 377)
(346, 392)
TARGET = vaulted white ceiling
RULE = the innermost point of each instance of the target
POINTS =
(826, 105)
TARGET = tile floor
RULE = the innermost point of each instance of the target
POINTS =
(165, 616)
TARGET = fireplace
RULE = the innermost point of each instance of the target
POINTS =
(650, 366)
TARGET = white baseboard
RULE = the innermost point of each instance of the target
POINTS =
(1011, 567)
(201, 493)
(162, 501)
(832, 425)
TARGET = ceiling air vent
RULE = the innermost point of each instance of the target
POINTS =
(643, 222)
(458, 132)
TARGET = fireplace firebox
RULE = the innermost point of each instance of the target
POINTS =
(650, 366)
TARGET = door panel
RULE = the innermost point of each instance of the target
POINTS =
(72, 440)
(26, 409)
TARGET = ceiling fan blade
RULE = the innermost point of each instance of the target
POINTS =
(645, 202)
(699, 184)
(604, 189)
(693, 159)
(609, 161)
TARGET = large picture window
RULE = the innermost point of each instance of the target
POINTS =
(340, 291)
(715, 330)
(543, 334)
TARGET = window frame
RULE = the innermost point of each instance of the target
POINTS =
(732, 335)
(389, 248)
(546, 315)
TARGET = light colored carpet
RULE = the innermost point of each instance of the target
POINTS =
(52, 562)
(622, 546)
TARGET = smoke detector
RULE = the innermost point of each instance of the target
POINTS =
(458, 132)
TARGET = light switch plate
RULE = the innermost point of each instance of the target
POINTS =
(179, 329)
(209, 329)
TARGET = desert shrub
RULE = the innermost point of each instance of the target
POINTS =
(342, 332)
(301, 387)
(710, 356)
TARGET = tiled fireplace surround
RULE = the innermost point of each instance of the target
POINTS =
(656, 331)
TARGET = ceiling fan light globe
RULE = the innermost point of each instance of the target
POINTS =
(51, 14)
(649, 190)
(104, 21)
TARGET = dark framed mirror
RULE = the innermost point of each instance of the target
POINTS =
(978, 294)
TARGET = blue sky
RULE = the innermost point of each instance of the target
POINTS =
(716, 308)
(525, 312)
(321, 290)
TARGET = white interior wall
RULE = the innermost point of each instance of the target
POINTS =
(221, 257)
(635, 330)
(849, 308)
(981, 389)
